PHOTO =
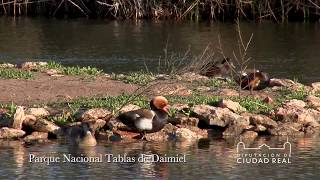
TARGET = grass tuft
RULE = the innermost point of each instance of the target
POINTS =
(73, 71)
(11, 73)
(140, 77)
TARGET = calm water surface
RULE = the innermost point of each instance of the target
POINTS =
(214, 159)
(288, 50)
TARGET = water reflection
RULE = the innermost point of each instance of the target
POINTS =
(213, 158)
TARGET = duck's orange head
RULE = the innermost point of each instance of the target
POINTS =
(160, 103)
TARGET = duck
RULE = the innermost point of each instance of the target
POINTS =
(222, 68)
(147, 120)
(256, 80)
(81, 135)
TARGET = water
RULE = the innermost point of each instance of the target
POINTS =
(288, 50)
(214, 159)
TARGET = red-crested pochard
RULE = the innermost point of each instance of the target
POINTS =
(145, 120)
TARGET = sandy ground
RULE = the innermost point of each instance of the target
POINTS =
(44, 89)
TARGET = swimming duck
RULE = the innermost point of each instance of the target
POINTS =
(256, 80)
(82, 135)
(212, 69)
(145, 120)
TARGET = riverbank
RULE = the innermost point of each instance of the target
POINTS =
(279, 11)
(44, 100)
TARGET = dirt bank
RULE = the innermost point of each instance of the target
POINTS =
(44, 89)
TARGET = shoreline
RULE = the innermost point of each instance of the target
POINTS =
(200, 105)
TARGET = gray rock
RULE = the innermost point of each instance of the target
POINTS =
(306, 117)
(249, 135)
(294, 103)
(184, 134)
(10, 133)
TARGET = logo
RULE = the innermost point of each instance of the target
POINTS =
(263, 154)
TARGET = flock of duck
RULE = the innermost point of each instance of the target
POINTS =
(154, 119)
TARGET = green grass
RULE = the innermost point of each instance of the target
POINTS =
(10, 107)
(74, 70)
(12, 73)
(140, 77)
(287, 94)
(253, 105)
(221, 83)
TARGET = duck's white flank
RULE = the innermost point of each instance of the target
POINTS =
(144, 124)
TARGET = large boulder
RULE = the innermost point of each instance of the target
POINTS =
(233, 106)
(129, 107)
(42, 125)
(263, 120)
(294, 103)
(217, 116)
(10, 133)
(184, 120)
(287, 129)
(36, 137)
(164, 134)
(306, 117)
(38, 112)
(90, 114)
(313, 101)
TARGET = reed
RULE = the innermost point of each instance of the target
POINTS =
(277, 10)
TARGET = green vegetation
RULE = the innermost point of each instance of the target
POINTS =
(10, 107)
(221, 83)
(161, 9)
(140, 77)
(11, 73)
(254, 105)
(74, 71)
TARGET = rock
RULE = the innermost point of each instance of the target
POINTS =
(162, 77)
(7, 65)
(287, 129)
(10, 133)
(190, 76)
(164, 134)
(94, 124)
(53, 72)
(288, 83)
(263, 120)
(233, 106)
(32, 65)
(217, 116)
(36, 137)
(180, 107)
(115, 124)
(90, 114)
(104, 135)
(201, 133)
(313, 101)
(38, 112)
(315, 87)
(184, 134)
(184, 120)
(294, 103)
(227, 92)
(306, 117)
(43, 125)
(249, 135)
(260, 128)
(172, 89)
(18, 118)
(203, 89)
(268, 100)
(129, 107)
(311, 130)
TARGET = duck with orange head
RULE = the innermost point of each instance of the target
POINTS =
(145, 120)
(256, 80)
